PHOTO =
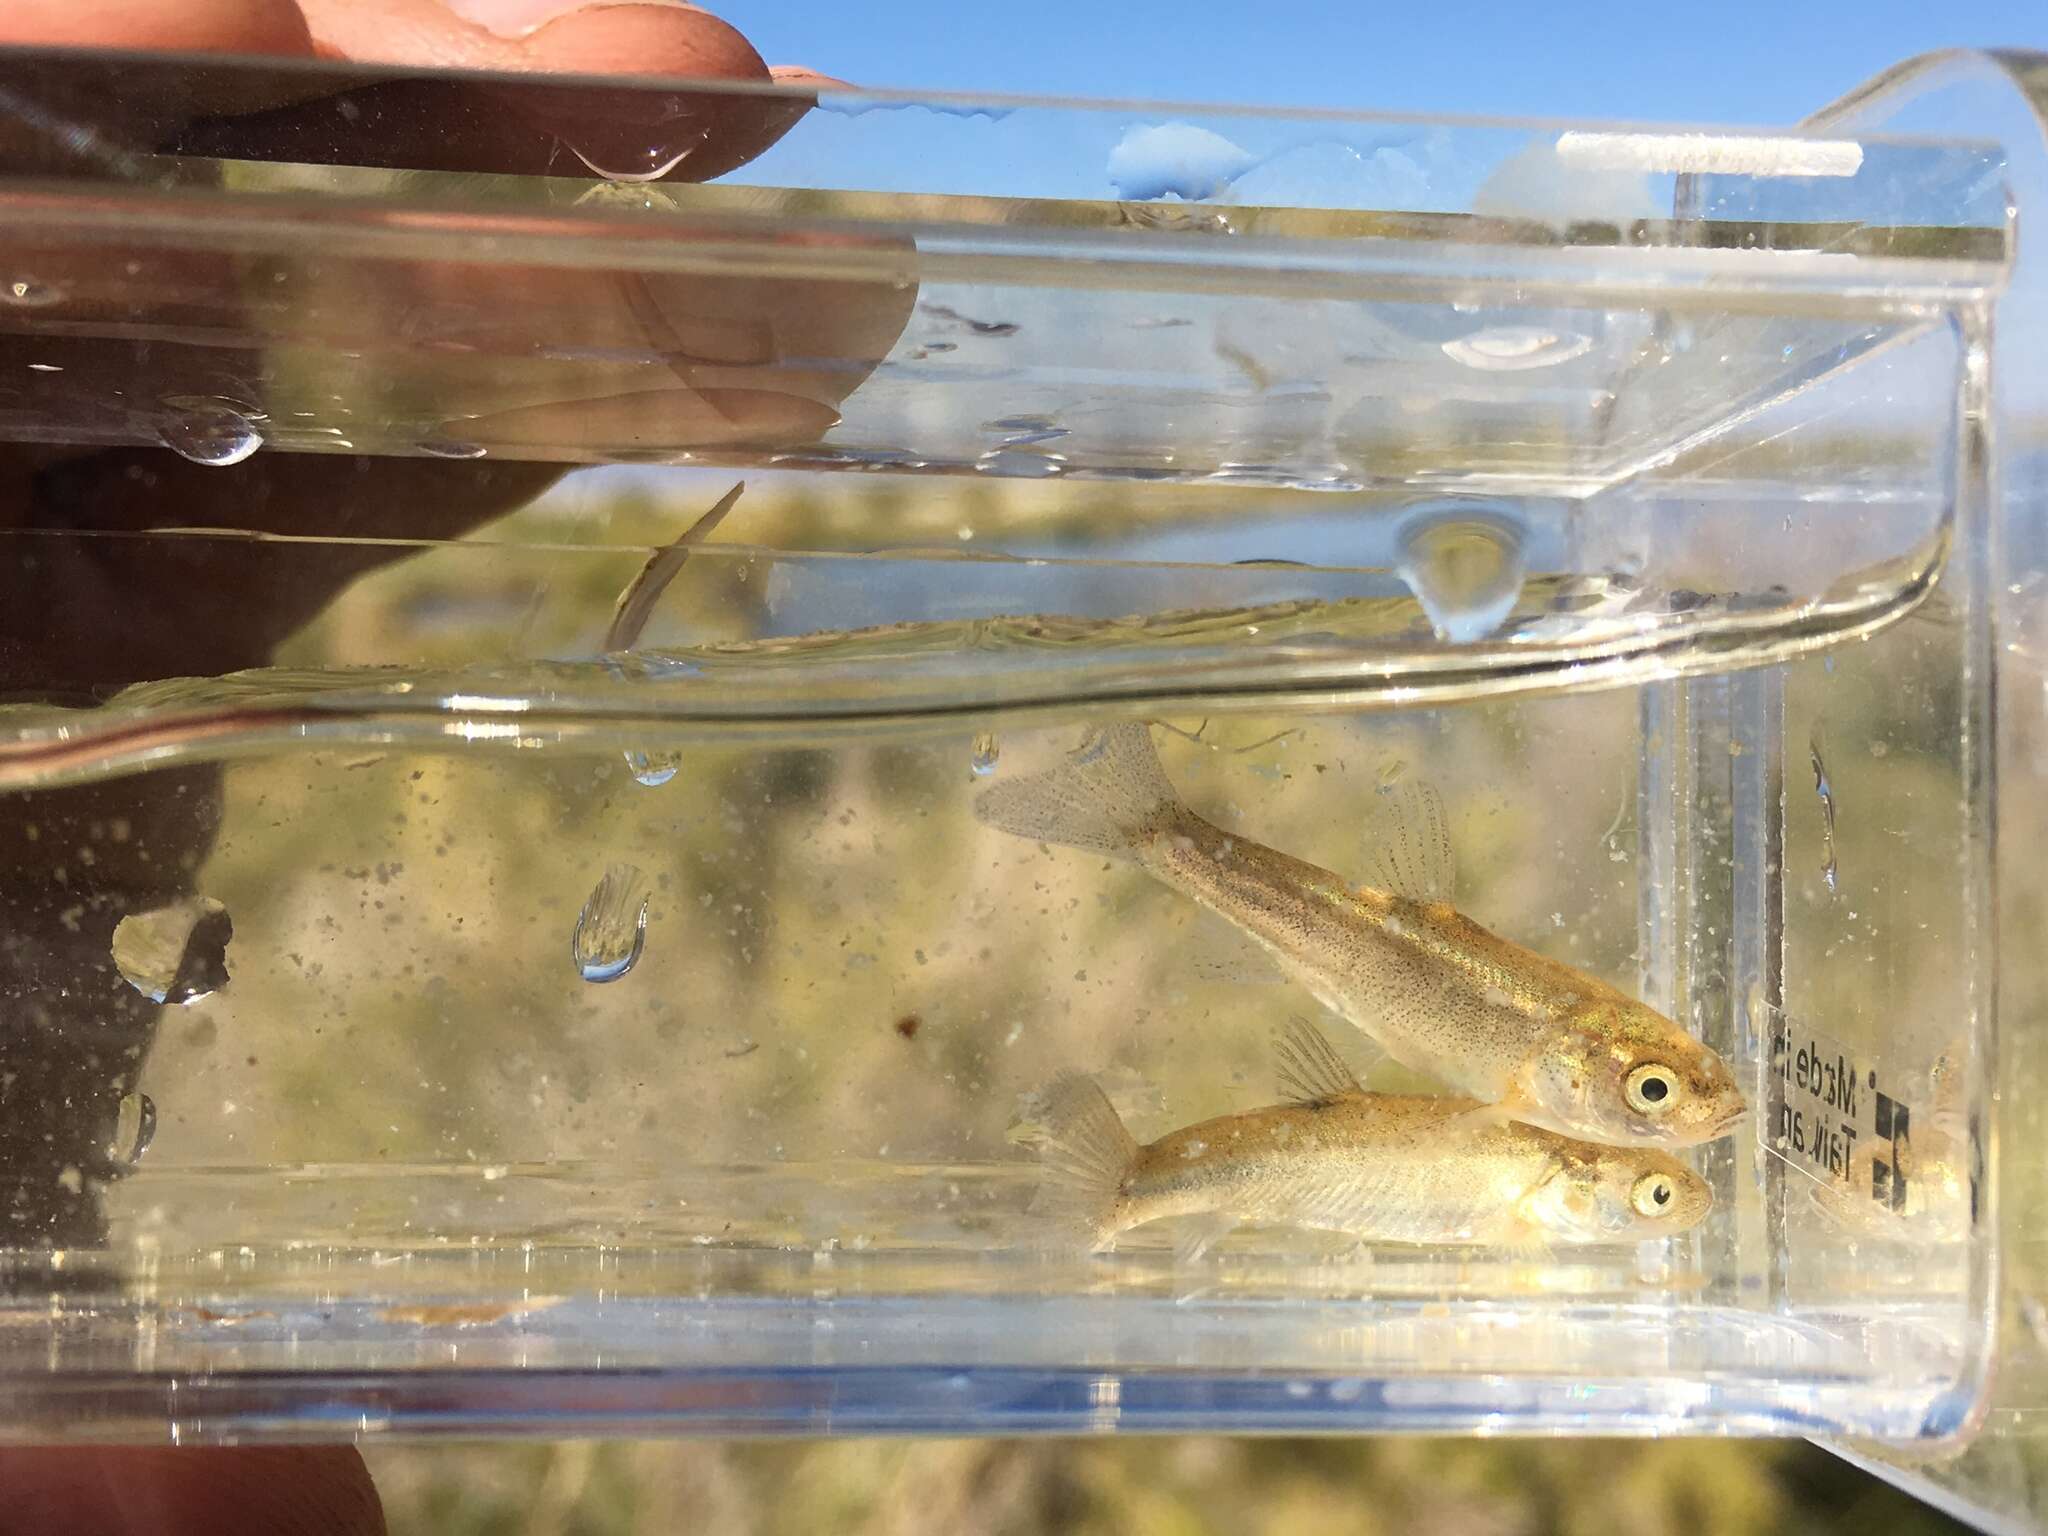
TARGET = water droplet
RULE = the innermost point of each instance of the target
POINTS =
(134, 1129)
(175, 953)
(2037, 1319)
(653, 769)
(1512, 348)
(612, 927)
(985, 752)
(1021, 463)
(209, 430)
(1825, 790)
(1466, 571)
(25, 292)
(1179, 218)
(1174, 159)
(1023, 431)
(978, 327)
(449, 448)
(648, 163)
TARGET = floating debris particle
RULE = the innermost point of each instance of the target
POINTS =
(175, 953)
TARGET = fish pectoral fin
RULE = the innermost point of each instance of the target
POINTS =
(1480, 1116)
(1408, 843)
(1310, 1070)
(1527, 1242)
(1194, 1236)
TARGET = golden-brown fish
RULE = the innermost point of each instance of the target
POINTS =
(1911, 1189)
(1535, 1040)
(1380, 1167)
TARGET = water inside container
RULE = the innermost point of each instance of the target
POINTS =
(1565, 528)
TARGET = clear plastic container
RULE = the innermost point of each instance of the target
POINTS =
(489, 952)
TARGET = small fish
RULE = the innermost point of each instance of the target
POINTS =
(1913, 1187)
(636, 603)
(1535, 1040)
(1381, 1167)
(1927, 1176)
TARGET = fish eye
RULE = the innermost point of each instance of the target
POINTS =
(1652, 1195)
(1651, 1089)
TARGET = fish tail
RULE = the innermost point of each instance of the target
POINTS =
(1112, 796)
(1086, 1154)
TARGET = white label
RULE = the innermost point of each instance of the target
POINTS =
(1833, 1115)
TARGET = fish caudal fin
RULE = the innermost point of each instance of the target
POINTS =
(1112, 796)
(1086, 1154)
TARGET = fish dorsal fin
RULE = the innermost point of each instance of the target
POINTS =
(1311, 1072)
(1408, 841)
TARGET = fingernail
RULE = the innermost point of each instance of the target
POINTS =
(796, 74)
(522, 18)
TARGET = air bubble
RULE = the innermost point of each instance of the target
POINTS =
(986, 750)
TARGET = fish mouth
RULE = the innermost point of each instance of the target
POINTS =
(1729, 1122)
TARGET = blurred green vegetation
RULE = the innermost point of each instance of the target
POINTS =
(1193, 1486)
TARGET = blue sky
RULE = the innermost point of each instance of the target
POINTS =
(1749, 62)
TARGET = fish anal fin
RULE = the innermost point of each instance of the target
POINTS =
(1343, 1203)
(1195, 1235)
(1408, 843)
(1309, 1069)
